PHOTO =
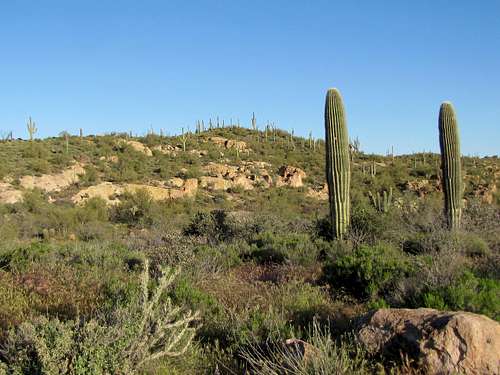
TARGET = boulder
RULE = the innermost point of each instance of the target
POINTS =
(175, 182)
(214, 183)
(53, 182)
(243, 181)
(105, 190)
(290, 176)
(440, 342)
(321, 194)
(219, 170)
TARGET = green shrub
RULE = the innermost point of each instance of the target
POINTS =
(297, 248)
(469, 293)
(472, 245)
(368, 271)
(133, 209)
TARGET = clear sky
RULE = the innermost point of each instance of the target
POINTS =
(112, 65)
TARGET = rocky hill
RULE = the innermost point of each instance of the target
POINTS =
(218, 244)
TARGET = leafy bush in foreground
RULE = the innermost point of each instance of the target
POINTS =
(145, 330)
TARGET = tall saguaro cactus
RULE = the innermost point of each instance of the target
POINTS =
(32, 129)
(338, 169)
(449, 141)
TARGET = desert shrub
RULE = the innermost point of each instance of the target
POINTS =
(321, 354)
(472, 245)
(367, 222)
(219, 225)
(133, 209)
(150, 327)
(469, 293)
(368, 271)
(90, 177)
(297, 248)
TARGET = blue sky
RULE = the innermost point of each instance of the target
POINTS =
(106, 65)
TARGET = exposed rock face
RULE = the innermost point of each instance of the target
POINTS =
(290, 176)
(214, 183)
(8, 194)
(175, 182)
(105, 190)
(321, 194)
(138, 146)
(166, 150)
(421, 187)
(219, 170)
(486, 192)
(229, 143)
(110, 192)
(53, 182)
(243, 182)
(441, 342)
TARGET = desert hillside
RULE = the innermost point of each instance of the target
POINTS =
(241, 217)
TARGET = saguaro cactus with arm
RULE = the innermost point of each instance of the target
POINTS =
(451, 166)
(338, 169)
(32, 129)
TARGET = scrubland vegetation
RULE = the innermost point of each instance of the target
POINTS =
(218, 281)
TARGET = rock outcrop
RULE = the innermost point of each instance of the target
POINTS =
(229, 143)
(440, 342)
(321, 194)
(290, 176)
(53, 182)
(111, 193)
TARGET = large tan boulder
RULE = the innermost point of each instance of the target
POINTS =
(214, 183)
(105, 190)
(53, 182)
(440, 342)
(243, 182)
(175, 182)
(219, 170)
(290, 176)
